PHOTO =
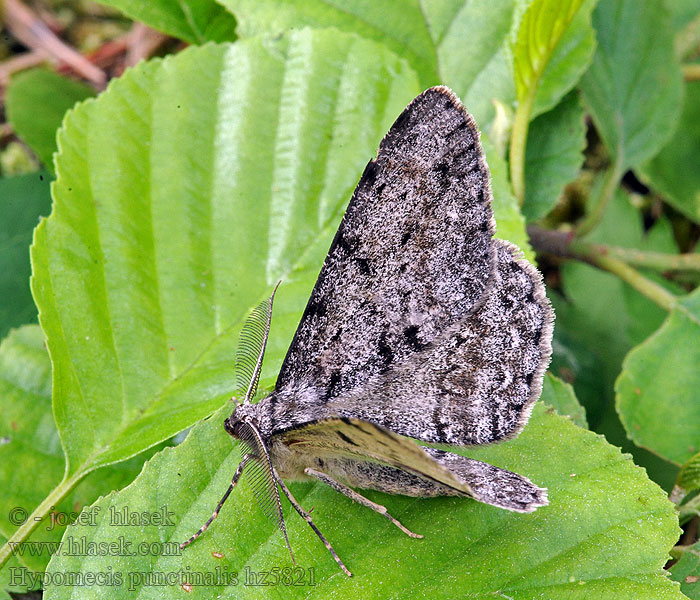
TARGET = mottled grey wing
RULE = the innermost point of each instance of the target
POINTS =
(412, 256)
(477, 382)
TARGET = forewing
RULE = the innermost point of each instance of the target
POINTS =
(478, 381)
(412, 256)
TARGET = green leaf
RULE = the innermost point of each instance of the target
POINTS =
(687, 572)
(36, 102)
(23, 200)
(554, 45)
(661, 377)
(689, 476)
(600, 505)
(673, 171)
(561, 396)
(399, 27)
(510, 223)
(471, 41)
(461, 43)
(195, 21)
(31, 458)
(162, 238)
(553, 155)
(633, 88)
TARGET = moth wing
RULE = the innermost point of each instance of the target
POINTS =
(444, 472)
(478, 381)
(367, 441)
(413, 253)
(492, 485)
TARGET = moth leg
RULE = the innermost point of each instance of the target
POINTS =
(304, 515)
(234, 481)
(354, 496)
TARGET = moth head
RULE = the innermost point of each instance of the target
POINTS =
(232, 426)
(242, 415)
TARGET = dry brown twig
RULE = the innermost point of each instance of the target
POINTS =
(29, 29)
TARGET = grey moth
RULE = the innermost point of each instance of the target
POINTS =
(421, 325)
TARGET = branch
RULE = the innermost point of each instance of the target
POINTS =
(35, 34)
(615, 260)
(688, 39)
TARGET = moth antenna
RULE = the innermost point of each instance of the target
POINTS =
(251, 348)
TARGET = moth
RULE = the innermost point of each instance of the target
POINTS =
(421, 325)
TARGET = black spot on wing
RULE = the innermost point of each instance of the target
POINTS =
(363, 265)
(385, 352)
(346, 439)
(411, 335)
(333, 383)
(438, 425)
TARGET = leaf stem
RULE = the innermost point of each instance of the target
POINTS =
(645, 286)
(609, 259)
(612, 177)
(561, 243)
(32, 522)
(518, 142)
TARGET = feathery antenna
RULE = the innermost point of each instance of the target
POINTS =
(251, 348)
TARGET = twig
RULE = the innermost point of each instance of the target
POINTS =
(142, 43)
(5, 131)
(21, 62)
(688, 39)
(35, 34)
(691, 72)
(567, 245)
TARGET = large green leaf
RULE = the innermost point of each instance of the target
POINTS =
(36, 102)
(633, 88)
(195, 21)
(687, 571)
(181, 198)
(554, 45)
(23, 199)
(553, 156)
(462, 43)
(601, 505)
(673, 171)
(401, 27)
(661, 377)
(561, 396)
(31, 458)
